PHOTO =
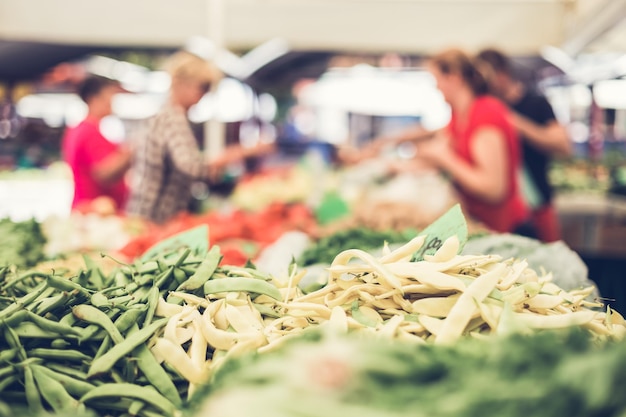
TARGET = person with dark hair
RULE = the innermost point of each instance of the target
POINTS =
(478, 149)
(542, 138)
(98, 165)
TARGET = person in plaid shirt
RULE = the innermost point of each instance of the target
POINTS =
(167, 158)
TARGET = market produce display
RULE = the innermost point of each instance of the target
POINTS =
(241, 234)
(319, 375)
(326, 248)
(22, 243)
(142, 339)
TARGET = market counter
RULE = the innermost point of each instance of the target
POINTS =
(595, 227)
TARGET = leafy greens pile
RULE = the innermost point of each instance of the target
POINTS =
(21, 243)
(548, 374)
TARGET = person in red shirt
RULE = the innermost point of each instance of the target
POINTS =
(98, 165)
(479, 148)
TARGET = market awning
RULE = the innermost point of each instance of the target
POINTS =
(522, 27)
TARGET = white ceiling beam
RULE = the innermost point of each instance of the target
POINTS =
(593, 25)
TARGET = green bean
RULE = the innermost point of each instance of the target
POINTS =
(70, 355)
(251, 285)
(131, 287)
(121, 279)
(48, 292)
(15, 319)
(7, 354)
(67, 370)
(127, 319)
(135, 407)
(180, 276)
(4, 383)
(204, 271)
(69, 319)
(6, 371)
(65, 284)
(104, 347)
(51, 303)
(52, 326)
(95, 316)
(153, 301)
(75, 387)
(121, 301)
(53, 391)
(139, 296)
(147, 267)
(24, 301)
(106, 361)
(267, 311)
(13, 340)
(59, 344)
(96, 278)
(99, 300)
(164, 277)
(144, 279)
(33, 397)
(30, 274)
(154, 372)
(188, 270)
(236, 271)
(122, 404)
(147, 394)
(89, 332)
(29, 330)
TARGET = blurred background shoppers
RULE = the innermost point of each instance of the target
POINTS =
(98, 165)
(479, 148)
(168, 158)
(541, 135)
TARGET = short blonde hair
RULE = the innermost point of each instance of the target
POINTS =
(183, 65)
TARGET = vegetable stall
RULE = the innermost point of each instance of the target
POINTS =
(412, 328)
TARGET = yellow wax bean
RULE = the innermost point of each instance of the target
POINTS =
(386, 277)
(190, 299)
(513, 276)
(390, 328)
(317, 309)
(431, 324)
(405, 251)
(405, 336)
(240, 322)
(435, 306)
(176, 357)
(458, 318)
(165, 309)
(338, 321)
(426, 274)
(557, 321)
(319, 294)
(197, 353)
(544, 301)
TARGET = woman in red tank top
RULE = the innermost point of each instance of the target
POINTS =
(479, 148)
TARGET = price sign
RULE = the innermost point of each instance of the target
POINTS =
(449, 224)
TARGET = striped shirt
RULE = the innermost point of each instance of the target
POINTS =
(167, 160)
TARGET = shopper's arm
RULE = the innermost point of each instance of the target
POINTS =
(486, 179)
(113, 167)
(551, 138)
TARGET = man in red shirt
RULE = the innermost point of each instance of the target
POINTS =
(98, 165)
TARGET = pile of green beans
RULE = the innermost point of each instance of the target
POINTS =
(80, 345)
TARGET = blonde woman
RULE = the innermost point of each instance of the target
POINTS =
(167, 157)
